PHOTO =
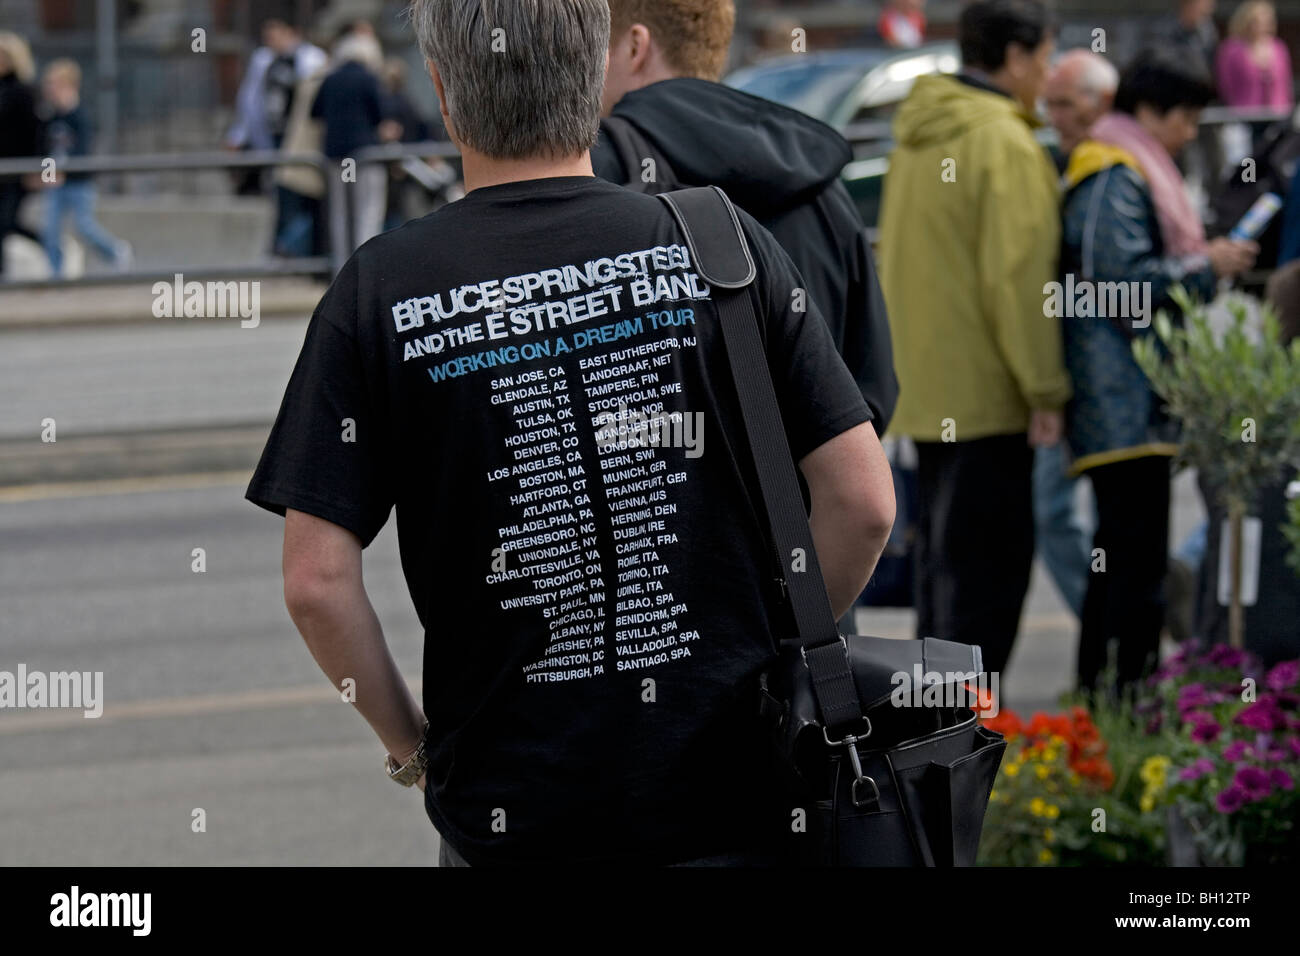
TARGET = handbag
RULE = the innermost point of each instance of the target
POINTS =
(875, 740)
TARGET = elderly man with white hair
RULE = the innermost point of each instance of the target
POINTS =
(1079, 91)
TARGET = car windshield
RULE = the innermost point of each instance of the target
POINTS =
(812, 88)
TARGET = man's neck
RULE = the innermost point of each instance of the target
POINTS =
(482, 171)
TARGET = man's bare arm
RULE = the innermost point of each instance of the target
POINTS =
(852, 510)
(327, 600)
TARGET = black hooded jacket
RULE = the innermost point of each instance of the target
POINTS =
(783, 168)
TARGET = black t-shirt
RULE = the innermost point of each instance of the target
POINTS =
(596, 590)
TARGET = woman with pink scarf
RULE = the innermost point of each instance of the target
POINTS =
(1254, 66)
(1130, 234)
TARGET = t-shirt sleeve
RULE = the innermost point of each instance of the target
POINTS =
(326, 454)
(815, 390)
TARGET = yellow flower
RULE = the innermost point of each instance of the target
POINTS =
(993, 794)
(1052, 811)
(1147, 803)
(1011, 769)
(1050, 754)
(1045, 855)
(1154, 769)
(1037, 806)
(1042, 771)
(1049, 835)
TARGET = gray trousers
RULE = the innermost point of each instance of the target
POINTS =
(356, 209)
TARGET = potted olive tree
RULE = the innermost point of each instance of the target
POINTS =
(1236, 392)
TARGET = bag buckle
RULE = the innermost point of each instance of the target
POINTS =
(850, 743)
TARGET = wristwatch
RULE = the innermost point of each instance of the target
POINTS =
(410, 772)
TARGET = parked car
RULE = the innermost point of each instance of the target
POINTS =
(856, 91)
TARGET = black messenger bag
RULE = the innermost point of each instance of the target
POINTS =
(879, 746)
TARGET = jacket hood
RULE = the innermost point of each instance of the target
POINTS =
(767, 157)
(941, 108)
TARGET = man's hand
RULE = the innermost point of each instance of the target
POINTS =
(1229, 258)
(1045, 428)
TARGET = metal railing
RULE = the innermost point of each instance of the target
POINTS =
(410, 155)
(1205, 165)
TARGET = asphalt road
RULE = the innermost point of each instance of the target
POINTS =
(212, 700)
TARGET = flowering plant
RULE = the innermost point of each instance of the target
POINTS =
(1055, 794)
(1234, 752)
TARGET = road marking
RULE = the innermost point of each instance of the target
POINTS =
(176, 707)
(121, 486)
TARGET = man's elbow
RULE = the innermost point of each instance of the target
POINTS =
(313, 586)
(873, 515)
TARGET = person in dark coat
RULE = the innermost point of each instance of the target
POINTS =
(19, 130)
(1130, 228)
(662, 103)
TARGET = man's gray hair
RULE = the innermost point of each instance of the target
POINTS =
(522, 78)
(1097, 75)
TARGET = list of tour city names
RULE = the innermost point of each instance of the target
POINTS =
(603, 612)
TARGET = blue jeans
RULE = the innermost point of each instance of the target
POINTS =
(1060, 537)
(75, 197)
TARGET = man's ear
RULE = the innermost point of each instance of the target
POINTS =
(442, 98)
(639, 48)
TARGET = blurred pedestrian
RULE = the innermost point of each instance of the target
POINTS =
(1128, 221)
(265, 98)
(902, 23)
(404, 125)
(301, 228)
(969, 236)
(19, 128)
(351, 107)
(1254, 67)
(1079, 90)
(67, 133)
(1190, 34)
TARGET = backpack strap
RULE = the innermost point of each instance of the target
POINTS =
(721, 256)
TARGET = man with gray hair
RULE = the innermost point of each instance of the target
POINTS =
(596, 609)
(1079, 91)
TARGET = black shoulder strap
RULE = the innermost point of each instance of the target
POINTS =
(722, 258)
(633, 150)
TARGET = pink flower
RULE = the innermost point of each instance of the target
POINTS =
(1294, 744)
(1261, 715)
(1230, 800)
(1255, 783)
(1206, 730)
(1283, 675)
(1281, 779)
(1197, 770)
(1236, 751)
(1229, 658)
